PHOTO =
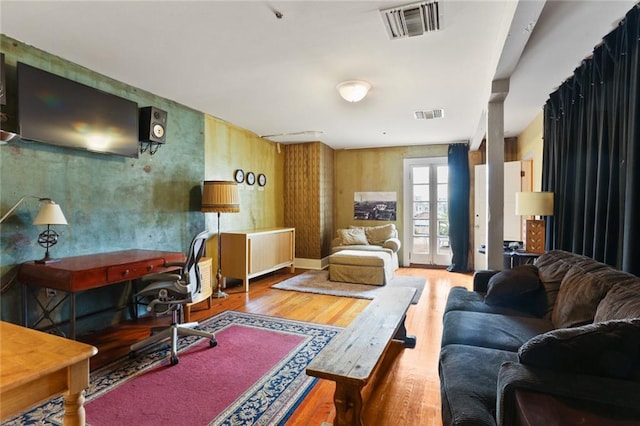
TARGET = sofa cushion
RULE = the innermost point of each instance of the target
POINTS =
(581, 290)
(552, 267)
(468, 383)
(461, 299)
(610, 348)
(495, 331)
(352, 236)
(360, 258)
(378, 234)
(518, 287)
(363, 247)
(622, 301)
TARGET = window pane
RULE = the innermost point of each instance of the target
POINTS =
(421, 227)
(421, 210)
(443, 210)
(443, 246)
(420, 245)
(420, 192)
(443, 228)
(443, 192)
(443, 174)
(421, 175)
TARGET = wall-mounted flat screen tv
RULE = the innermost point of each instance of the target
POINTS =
(55, 110)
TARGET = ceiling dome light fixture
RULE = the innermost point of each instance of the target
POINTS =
(353, 90)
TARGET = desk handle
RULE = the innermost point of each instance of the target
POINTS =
(125, 272)
(149, 268)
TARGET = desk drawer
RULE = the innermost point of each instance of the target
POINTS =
(134, 270)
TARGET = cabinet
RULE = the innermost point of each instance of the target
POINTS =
(248, 254)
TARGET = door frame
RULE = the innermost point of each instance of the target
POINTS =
(407, 197)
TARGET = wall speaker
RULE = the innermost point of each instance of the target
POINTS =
(153, 125)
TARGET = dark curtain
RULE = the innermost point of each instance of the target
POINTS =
(591, 156)
(458, 158)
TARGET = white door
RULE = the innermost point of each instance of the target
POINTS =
(512, 222)
(480, 217)
(426, 195)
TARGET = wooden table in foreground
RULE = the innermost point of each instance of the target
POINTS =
(36, 366)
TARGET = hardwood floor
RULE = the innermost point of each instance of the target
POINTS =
(407, 390)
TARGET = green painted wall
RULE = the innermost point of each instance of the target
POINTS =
(111, 202)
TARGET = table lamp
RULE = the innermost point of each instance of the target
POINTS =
(534, 204)
(220, 197)
(50, 214)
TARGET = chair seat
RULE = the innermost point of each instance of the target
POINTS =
(170, 292)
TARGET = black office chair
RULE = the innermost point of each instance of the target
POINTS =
(170, 291)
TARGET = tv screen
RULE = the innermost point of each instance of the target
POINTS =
(58, 111)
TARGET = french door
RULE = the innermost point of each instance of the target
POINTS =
(426, 198)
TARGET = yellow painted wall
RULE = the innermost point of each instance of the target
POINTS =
(530, 148)
(227, 148)
(373, 170)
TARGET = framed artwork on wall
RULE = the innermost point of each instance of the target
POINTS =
(374, 206)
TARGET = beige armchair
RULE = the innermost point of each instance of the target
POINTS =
(369, 238)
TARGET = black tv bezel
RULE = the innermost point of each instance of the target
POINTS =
(86, 92)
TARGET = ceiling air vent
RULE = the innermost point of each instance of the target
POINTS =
(412, 19)
(428, 115)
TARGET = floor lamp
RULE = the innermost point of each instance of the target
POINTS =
(220, 197)
(534, 204)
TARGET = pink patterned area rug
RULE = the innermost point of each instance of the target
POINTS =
(255, 376)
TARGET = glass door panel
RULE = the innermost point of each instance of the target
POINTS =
(429, 233)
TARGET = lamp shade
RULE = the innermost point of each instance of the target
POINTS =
(353, 90)
(534, 203)
(50, 214)
(219, 196)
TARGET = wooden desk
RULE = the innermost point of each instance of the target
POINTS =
(36, 366)
(75, 274)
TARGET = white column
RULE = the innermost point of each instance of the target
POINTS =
(495, 174)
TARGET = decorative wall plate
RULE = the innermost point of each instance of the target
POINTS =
(251, 178)
(262, 179)
(238, 175)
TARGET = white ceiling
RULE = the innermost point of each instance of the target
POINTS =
(237, 61)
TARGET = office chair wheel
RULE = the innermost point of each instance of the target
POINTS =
(213, 343)
(174, 359)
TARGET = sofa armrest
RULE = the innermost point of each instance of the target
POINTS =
(481, 280)
(620, 397)
(392, 243)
